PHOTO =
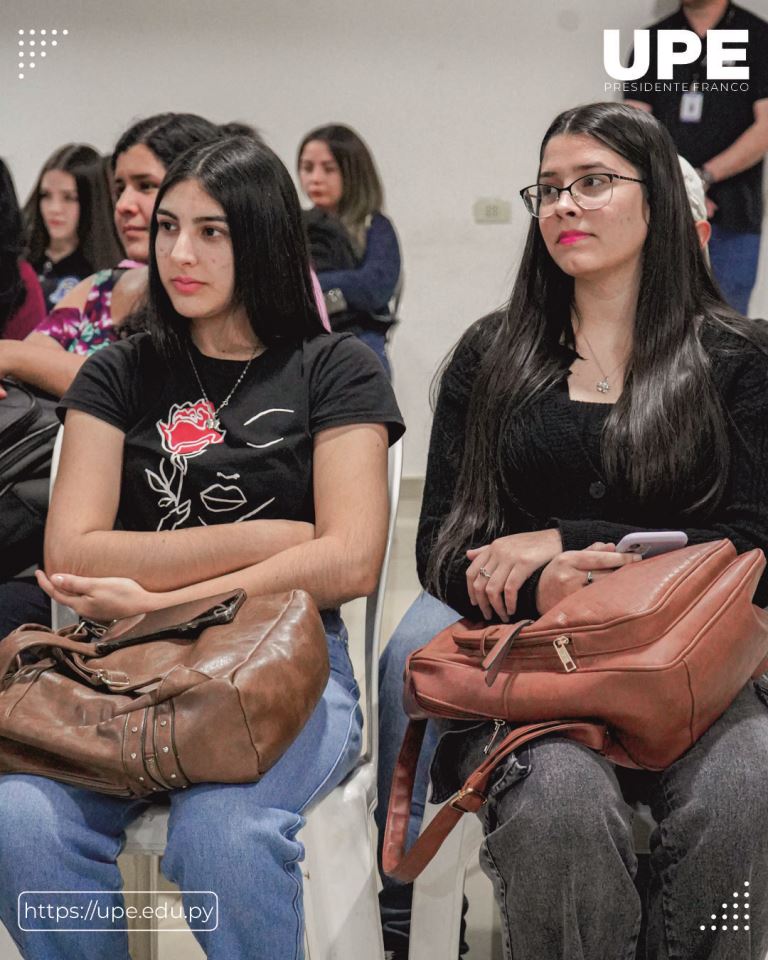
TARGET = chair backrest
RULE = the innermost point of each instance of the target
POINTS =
(55, 458)
(61, 616)
(374, 612)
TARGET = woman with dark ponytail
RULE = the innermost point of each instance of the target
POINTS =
(616, 392)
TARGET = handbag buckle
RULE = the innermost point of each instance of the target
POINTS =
(462, 794)
(90, 629)
(103, 677)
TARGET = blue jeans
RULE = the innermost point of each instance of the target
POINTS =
(22, 601)
(424, 618)
(734, 259)
(238, 840)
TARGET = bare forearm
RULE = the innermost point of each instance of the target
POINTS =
(51, 369)
(328, 569)
(168, 560)
(742, 154)
(44, 341)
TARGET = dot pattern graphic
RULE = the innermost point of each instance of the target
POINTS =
(735, 905)
(27, 45)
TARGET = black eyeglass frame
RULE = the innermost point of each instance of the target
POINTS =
(526, 198)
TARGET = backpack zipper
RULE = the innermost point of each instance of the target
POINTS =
(560, 643)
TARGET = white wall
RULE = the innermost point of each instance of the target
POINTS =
(452, 97)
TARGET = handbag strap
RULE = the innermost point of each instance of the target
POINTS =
(405, 867)
(21, 640)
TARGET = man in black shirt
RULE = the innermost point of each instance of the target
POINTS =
(721, 127)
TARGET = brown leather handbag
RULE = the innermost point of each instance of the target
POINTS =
(637, 665)
(210, 691)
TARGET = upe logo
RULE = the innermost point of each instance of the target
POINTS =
(678, 47)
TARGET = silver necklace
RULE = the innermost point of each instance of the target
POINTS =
(213, 422)
(602, 386)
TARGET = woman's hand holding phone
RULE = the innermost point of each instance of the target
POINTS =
(567, 572)
(650, 543)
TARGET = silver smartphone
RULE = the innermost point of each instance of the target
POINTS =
(651, 543)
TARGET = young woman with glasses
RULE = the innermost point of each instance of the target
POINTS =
(616, 392)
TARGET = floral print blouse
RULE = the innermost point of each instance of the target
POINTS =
(86, 332)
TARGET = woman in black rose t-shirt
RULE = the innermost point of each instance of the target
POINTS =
(238, 445)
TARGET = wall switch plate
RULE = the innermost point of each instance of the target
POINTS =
(492, 210)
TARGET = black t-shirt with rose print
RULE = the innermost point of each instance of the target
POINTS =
(177, 472)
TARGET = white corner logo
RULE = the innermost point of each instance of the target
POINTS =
(735, 921)
(34, 45)
(675, 47)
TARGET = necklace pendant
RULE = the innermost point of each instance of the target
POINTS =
(603, 386)
(212, 423)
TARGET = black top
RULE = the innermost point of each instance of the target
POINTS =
(367, 281)
(178, 472)
(57, 279)
(553, 473)
(726, 113)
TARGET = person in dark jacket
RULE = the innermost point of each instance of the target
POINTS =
(353, 246)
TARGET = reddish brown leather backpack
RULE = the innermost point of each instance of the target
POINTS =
(637, 665)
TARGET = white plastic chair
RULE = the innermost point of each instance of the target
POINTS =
(439, 890)
(340, 872)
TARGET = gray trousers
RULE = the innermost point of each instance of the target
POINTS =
(560, 854)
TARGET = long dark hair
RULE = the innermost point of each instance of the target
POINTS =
(96, 235)
(272, 276)
(12, 290)
(167, 135)
(362, 194)
(666, 436)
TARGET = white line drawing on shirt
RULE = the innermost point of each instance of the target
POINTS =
(263, 413)
(247, 516)
(253, 513)
(184, 436)
(219, 499)
(258, 416)
(186, 433)
(162, 483)
(263, 446)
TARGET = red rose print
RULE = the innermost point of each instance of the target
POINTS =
(185, 434)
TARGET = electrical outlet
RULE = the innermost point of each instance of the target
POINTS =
(492, 210)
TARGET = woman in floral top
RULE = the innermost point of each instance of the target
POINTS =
(81, 332)
(88, 318)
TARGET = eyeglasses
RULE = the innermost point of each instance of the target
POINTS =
(590, 192)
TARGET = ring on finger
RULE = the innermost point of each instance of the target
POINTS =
(484, 573)
(590, 578)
